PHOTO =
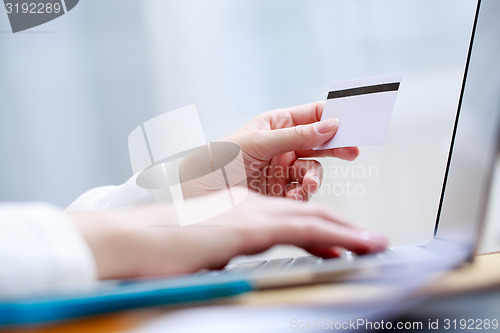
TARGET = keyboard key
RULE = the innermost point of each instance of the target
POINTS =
(275, 264)
(308, 261)
(246, 266)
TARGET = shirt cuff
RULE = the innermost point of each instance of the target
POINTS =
(41, 252)
(158, 182)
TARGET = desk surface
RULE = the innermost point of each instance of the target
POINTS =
(483, 274)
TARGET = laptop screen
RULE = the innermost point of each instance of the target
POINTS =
(475, 144)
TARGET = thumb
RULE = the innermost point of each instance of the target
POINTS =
(300, 137)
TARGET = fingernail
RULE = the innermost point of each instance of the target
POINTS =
(326, 126)
(299, 197)
(318, 184)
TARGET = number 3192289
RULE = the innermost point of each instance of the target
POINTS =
(33, 8)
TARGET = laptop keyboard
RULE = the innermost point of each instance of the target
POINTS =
(274, 264)
(307, 262)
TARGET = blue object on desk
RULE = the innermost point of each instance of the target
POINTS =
(121, 295)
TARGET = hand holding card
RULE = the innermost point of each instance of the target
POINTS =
(364, 108)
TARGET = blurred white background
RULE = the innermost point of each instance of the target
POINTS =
(73, 89)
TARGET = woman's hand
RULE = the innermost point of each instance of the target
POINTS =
(275, 144)
(148, 241)
(276, 150)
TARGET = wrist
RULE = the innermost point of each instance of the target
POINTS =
(110, 239)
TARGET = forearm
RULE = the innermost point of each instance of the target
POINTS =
(111, 242)
(123, 241)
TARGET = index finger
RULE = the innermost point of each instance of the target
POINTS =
(343, 153)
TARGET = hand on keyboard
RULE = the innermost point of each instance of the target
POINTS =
(139, 242)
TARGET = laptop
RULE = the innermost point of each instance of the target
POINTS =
(460, 218)
(461, 213)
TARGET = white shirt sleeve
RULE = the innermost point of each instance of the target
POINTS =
(41, 252)
(125, 195)
(129, 193)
